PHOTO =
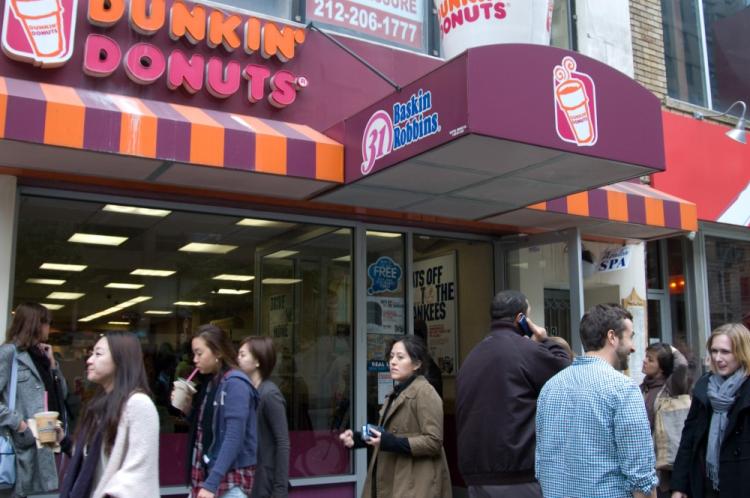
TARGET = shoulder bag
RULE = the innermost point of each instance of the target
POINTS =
(669, 419)
(7, 454)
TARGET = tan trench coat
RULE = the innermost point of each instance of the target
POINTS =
(416, 414)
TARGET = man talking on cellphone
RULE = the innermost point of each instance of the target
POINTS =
(497, 388)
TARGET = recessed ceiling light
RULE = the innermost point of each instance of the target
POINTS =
(122, 285)
(157, 312)
(147, 272)
(189, 303)
(254, 222)
(53, 306)
(62, 267)
(93, 238)
(118, 323)
(385, 235)
(281, 254)
(236, 292)
(115, 309)
(44, 281)
(208, 248)
(234, 277)
(66, 296)
(343, 259)
(117, 208)
(281, 281)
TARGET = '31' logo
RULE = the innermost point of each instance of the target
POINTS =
(377, 140)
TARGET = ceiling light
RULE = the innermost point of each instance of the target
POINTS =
(738, 132)
(235, 292)
(44, 281)
(343, 259)
(66, 296)
(93, 238)
(281, 254)
(115, 309)
(116, 208)
(234, 277)
(254, 222)
(208, 248)
(157, 312)
(62, 267)
(53, 306)
(146, 272)
(385, 235)
(281, 281)
(189, 303)
(121, 285)
(118, 323)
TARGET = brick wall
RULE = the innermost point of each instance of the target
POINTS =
(648, 45)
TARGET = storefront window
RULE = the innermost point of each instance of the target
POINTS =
(728, 268)
(276, 8)
(161, 273)
(683, 56)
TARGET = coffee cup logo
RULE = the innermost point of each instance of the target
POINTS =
(39, 32)
(575, 104)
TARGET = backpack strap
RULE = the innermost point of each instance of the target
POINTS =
(13, 380)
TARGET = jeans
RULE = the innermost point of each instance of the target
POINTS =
(234, 493)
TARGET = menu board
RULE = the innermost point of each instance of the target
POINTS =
(392, 21)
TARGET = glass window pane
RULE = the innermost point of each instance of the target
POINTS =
(560, 35)
(727, 42)
(682, 51)
(728, 264)
(276, 8)
(654, 278)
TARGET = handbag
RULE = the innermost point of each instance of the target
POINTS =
(7, 453)
(669, 419)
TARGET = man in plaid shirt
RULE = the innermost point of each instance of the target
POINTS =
(592, 434)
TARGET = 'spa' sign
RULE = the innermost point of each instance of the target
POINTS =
(615, 259)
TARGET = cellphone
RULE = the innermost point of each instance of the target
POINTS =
(523, 324)
(366, 434)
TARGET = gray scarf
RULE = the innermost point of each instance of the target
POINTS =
(721, 393)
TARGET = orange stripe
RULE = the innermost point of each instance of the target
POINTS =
(329, 162)
(578, 204)
(3, 105)
(312, 134)
(541, 206)
(65, 116)
(654, 211)
(270, 146)
(206, 136)
(617, 203)
(138, 127)
(688, 216)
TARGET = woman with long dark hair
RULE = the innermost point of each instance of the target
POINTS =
(117, 441)
(223, 421)
(38, 379)
(257, 357)
(408, 457)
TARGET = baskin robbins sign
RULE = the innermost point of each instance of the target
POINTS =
(409, 121)
(42, 33)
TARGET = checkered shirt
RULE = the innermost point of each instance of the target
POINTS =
(592, 434)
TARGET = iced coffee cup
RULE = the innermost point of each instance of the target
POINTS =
(46, 426)
(182, 395)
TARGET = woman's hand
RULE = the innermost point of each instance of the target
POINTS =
(347, 437)
(22, 426)
(679, 494)
(48, 352)
(59, 433)
(374, 439)
(204, 493)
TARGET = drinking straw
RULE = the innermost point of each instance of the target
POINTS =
(191, 375)
(45, 402)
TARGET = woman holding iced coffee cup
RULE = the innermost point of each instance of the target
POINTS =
(223, 424)
(40, 394)
(117, 441)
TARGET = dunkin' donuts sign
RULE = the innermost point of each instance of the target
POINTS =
(41, 32)
(410, 121)
(575, 104)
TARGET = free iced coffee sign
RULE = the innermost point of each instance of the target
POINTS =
(575, 102)
(39, 32)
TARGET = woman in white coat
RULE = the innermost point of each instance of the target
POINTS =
(117, 443)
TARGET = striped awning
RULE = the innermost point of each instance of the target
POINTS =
(100, 122)
(627, 202)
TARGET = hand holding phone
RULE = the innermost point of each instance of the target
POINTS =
(367, 428)
(523, 324)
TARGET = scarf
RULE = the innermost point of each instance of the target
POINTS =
(44, 368)
(80, 472)
(722, 394)
(651, 388)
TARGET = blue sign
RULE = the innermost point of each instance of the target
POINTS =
(385, 276)
(378, 366)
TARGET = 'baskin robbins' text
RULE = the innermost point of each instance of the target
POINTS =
(411, 122)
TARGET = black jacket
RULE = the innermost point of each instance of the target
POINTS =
(689, 473)
(497, 389)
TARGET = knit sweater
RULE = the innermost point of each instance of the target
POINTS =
(132, 469)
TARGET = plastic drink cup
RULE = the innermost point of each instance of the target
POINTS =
(46, 426)
(182, 394)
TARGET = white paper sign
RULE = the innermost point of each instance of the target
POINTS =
(615, 259)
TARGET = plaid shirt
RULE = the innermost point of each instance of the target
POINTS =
(236, 478)
(592, 434)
